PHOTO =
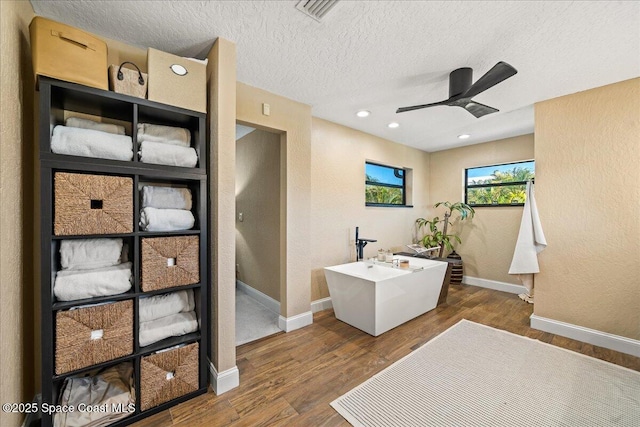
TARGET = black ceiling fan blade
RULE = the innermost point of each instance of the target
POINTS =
(500, 72)
(478, 109)
(418, 107)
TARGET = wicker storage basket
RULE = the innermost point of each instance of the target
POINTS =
(92, 204)
(91, 335)
(127, 81)
(169, 262)
(168, 375)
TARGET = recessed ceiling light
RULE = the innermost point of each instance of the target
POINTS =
(393, 125)
(363, 113)
(464, 136)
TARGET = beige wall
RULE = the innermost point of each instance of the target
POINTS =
(221, 87)
(293, 121)
(17, 299)
(588, 194)
(338, 202)
(258, 199)
(488, 240)
(119, 52)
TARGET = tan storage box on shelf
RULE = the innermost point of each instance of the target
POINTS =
(67, 53)
(177, 81)
(168, 375)
(169, 262)
(92, 204)
(92, 335)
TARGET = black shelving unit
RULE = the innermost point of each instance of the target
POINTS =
(55, 98)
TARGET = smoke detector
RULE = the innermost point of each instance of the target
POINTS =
(316, 9)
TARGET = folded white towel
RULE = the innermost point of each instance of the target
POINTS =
(156, 307)
(77, 122)
(87, 254)
(71, 285)
(166, 197)
(91, 143)
(165, 134)
(165, 327)
(152, 219)
(166, 154)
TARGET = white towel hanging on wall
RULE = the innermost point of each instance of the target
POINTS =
(530, 243)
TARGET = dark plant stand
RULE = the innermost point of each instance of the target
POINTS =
(457, 270)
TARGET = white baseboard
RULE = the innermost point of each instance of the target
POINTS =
(321, 304)
(292, 323)
(590, 336)
(262, 298)
(495, 285)
(222, 382)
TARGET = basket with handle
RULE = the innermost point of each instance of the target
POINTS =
(127, 81)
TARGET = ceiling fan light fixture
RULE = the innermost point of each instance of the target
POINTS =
(363, 113)
(464, 136)
(393, 125)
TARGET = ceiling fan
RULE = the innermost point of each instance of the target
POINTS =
(461, 90)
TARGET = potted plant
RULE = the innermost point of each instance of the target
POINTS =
(435, 230)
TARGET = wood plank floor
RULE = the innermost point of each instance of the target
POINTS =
(289, 379)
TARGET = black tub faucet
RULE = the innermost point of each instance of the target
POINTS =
(360, 244)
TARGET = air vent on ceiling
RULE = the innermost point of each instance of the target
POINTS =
(316, 9)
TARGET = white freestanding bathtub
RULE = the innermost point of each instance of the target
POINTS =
(378, 297)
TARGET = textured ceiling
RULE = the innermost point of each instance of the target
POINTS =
(381, 55)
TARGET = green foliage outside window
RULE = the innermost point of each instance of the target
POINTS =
(382, 194)
(384, 185)
(485, 192)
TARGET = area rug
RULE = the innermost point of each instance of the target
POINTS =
(475, 375)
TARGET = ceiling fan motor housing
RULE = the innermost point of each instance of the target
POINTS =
(459, 81)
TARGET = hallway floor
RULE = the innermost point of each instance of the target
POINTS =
(253, 320)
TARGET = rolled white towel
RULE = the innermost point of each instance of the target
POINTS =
(166, 197)
(165, 134)
(71, 285)
(156, 307)
(91, 143)
(174, 325)
(87, 254)
(166, 154)
(152, 219)
(77, 122)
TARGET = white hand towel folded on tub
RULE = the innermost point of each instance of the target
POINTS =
(166, 197)
(174, 325)
(165, 134)
(156, 307)
(166, 154)
(87, 254)
(71, 285)
(77, 122)
(91, 143)
(152, 219)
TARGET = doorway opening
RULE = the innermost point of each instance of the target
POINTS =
(258, 232)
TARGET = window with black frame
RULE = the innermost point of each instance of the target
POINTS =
(498, 185)
(385, 185)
